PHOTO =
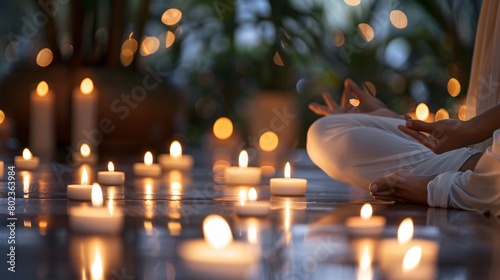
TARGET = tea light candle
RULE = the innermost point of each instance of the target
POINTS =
(148, 168)
(96, 219)
(42, 135)
(84, 109)
(366, 224)
(243, 175)
(83, 191)
(27, 161)
(111, 177)
(218, 255)
(176, 160)
(251, 207)
(85, 155)
(288, 186)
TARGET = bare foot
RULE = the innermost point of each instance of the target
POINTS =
(401, 186)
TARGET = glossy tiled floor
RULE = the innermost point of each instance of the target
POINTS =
(302, 238)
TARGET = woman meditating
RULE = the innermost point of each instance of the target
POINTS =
(371, 147)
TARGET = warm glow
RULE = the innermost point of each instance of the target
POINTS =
(277, 59)
(43, 227)
(354, 102)
(252, 232)
(85, 176)
(175, 228)
(169, 39)
(365, 265)
(148, 188)
(171, 16)
(176, 149)
(44, 57)
(462, 113)
(352, 2)
(367, 31)
(2, 116)
(42, 89)
(27, 223)
(149, 45)
(366, 211)
(87, 86)
(217, 231)
(442, 114)
(243, 159)
(148, 158)
(422, 112)
(288, 218)
(288, 170)
(175, 189)
(126, 57)
(454, 87)
(268, 141)
(405, 231)
(338, 38)
(97, 199)
(223, 128)
(412, 258)
(252, 194)
(111, 166)
(243, 196)
(96, 269)
(27, 154)
(398, 19)
(85, 150)
(26, 181)
(148, 227)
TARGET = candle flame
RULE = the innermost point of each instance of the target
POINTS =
(366, 211)
(42, 89)
(87, 86)
(85, 150)
(96, 269)
(243, 196)
(422, 112)
(27, 154)
(405, 231)
(176, 149)
(111, 167)
(217, 232)
(148, 158)
(243, 159)
(85, 176)
(252, 194)
(288, 170)
(97, 200)
(412, 258)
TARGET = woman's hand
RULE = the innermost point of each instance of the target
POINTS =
(441, 136)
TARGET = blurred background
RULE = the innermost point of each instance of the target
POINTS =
(168, 70)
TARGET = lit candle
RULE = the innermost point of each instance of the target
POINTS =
(148, 168)
(218, 255)
(176, 160)
(96, 219)
(27, 161)
(406, 257)
(366, 224)
(111, 177)
(243, 175)
(288, 186)
(85, 155)
(84, 118)
(251, 207)
(82, 191)
(42, 135)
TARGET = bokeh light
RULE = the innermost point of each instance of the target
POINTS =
(442, 114)
(2, 116)
(44, 57)
(454, 87)
(398, 19)
(422, 112)
(169, 39)
(42, 88)
(352, 2)
(462, 113)
(268, 141)
(338, 38)
(223, 128)
(277, 59)
(367, 31)
(149, 45)
(171, 16)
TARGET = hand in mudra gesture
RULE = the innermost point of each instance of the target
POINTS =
(367, 102)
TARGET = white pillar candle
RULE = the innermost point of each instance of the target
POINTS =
(148, 168)
(243, 175)
(176, 160)
(96, 219)
(85, 154)
(366, 224)
(251, 207)
(82, 191)
(288, 186)
(84, 119)
(111, 177)
(42, 141)
(27, 161)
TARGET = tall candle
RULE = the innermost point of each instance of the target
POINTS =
(42, 140)
(84, 119)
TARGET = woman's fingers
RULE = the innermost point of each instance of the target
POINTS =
(330, 102)
(420, 137)
(355, 90)
(320, 109)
